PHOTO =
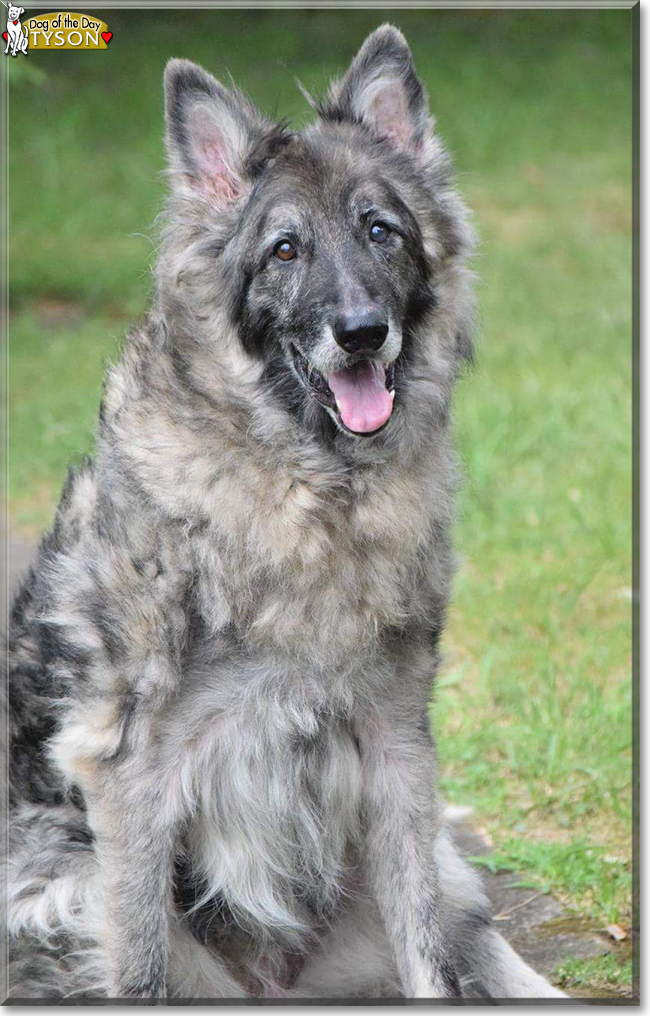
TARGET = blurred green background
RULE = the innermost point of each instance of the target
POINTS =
(533, 709)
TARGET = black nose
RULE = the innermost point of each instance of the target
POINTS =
(362, 332)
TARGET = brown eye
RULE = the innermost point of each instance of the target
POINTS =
(284, 250)
(379, 232)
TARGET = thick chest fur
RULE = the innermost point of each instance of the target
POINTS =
(294, 591)
(319, 574)
(276, 783)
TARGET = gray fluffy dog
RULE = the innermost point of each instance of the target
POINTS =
(222, 775)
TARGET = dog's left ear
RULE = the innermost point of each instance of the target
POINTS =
(382, 89)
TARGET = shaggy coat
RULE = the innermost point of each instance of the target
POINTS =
(222, 774)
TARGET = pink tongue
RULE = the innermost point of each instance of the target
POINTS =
(361, 396)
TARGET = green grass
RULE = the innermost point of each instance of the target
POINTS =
(585, 874)
(533, 709)
(607, 974)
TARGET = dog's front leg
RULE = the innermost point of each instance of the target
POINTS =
(400, 821)
(107, 748)
(124, 627)
(135, 835)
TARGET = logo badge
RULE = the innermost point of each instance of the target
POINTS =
(59, 30)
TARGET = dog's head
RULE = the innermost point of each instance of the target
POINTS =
(329, 247)
(13, 13)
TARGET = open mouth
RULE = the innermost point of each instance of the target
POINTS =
(360, 396)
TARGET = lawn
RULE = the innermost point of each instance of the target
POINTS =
(533, 708)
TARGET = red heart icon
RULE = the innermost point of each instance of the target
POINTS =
(15, 22)
(4, 36)
(107, 36)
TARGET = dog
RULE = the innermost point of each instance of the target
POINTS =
(222, 771)
(15, 37)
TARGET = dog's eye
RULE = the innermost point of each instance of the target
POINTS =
(284, 250)
(379, 232)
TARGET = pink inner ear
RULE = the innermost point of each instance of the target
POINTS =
(217, 177)
(391, 116)
(211, 149)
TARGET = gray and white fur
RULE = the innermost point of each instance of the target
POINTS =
(222, 774)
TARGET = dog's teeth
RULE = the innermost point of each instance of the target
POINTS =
(392, 393)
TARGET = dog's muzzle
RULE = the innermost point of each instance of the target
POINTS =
(360, 396)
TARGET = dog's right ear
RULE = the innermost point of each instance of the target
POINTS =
(211, 132)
